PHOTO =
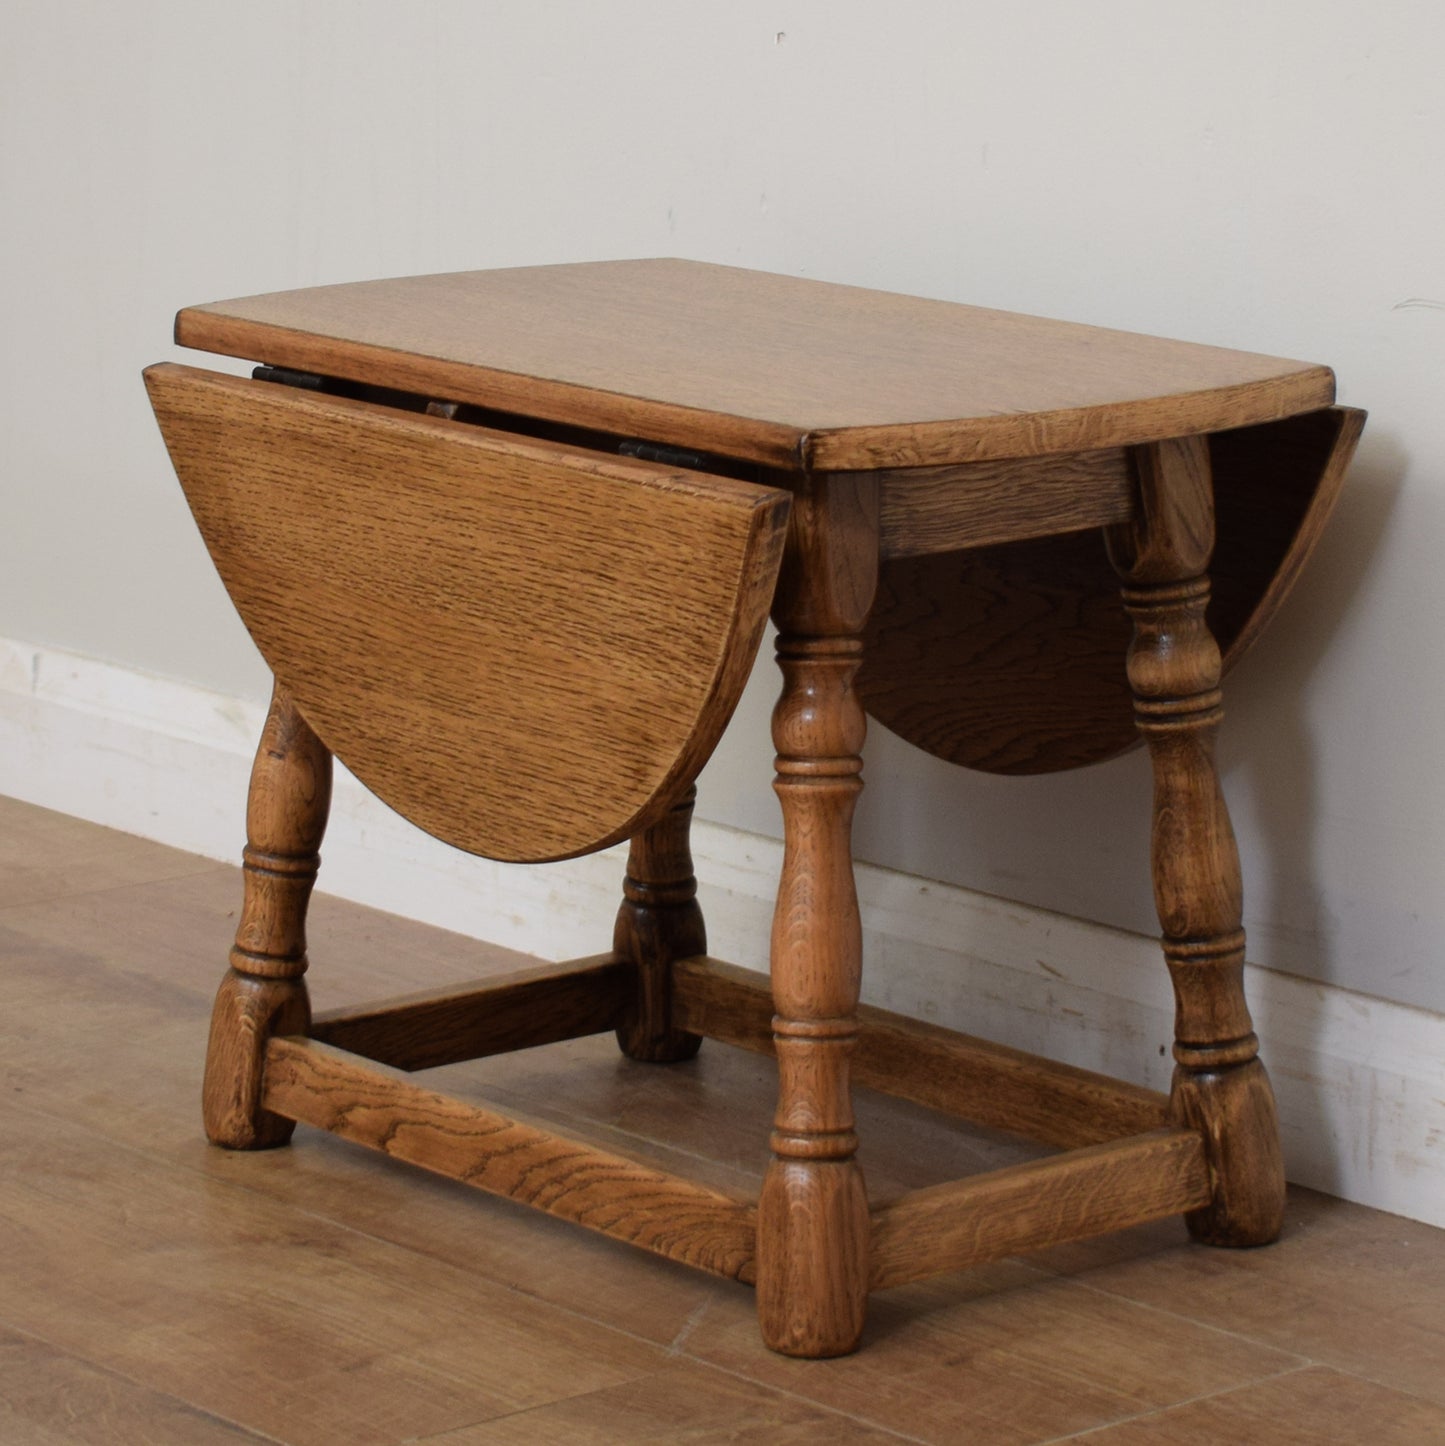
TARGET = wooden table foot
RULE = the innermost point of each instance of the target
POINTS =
(1235, 1113)
(813, 1257)
(813, 1227)
(1220, 1088)
(263, 993)
(659, 922)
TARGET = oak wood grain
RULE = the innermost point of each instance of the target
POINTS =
(790, 372)
(263, 992)
(1275, 489)
(658, 921)
(1220, 1088)
(629, 1201)
(1006, 658)
(496, 1015)
(979, 504)
(990, 1084)
(813, 1209)
(1073, 1196)
(527, 650)
(530, 649)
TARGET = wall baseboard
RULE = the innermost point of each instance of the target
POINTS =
(1360, 1080)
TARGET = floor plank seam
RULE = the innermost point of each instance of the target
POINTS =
(1219, 1330)
(304, 1212)
(1176, 1405)
(70, 1354)
(694, 1319)
(808, 1401)
(483, 1421)
(67, 896)
(771, 1389)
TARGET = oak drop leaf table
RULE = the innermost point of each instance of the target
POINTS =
(508, 541)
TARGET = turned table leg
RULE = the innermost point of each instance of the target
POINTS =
(659, 922)
(812, 1270)
(263, 992)
(1220, 1087)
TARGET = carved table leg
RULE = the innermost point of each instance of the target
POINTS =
(659, 922)
(1220, 1087)
(812, 1270)
(263, 992)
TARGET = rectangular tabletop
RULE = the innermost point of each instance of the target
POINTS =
(772, 369)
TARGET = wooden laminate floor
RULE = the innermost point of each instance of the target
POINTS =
(153, 1289)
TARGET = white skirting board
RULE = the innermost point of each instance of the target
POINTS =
(1360, 1080)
